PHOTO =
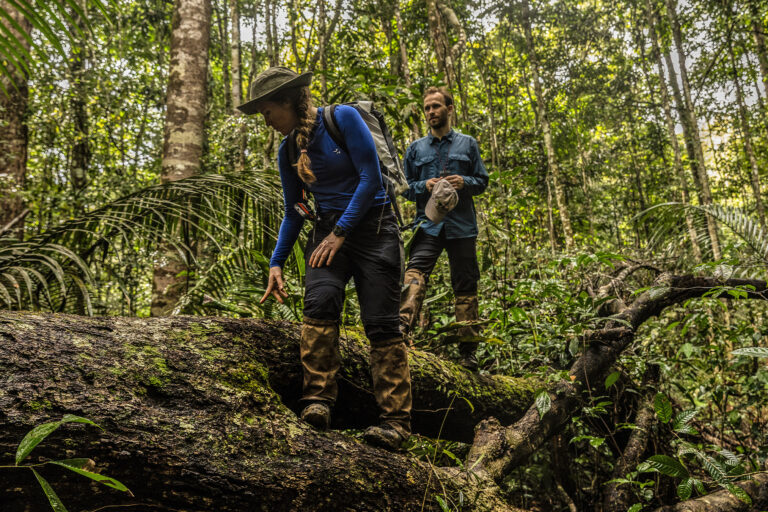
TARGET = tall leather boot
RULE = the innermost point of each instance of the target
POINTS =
(467, 311)
(392, 389)
(321, 360)
(411, 298)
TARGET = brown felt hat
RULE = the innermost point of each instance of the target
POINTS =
(270, 81)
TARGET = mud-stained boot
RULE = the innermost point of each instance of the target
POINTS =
(318, 415)
(411, 298)
(467, 311)
(319, 350)
(392, 389)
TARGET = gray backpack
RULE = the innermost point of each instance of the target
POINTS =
(389, 161)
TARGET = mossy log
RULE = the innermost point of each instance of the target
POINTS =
(197, 415)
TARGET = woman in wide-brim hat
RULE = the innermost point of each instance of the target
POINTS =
(355, 235)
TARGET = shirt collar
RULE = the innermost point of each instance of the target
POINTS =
(448, 136)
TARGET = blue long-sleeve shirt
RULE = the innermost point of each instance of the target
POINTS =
(347, 181)
(430, 157)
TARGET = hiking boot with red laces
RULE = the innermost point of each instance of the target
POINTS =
(318, 415)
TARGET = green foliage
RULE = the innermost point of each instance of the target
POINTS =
(80, 466)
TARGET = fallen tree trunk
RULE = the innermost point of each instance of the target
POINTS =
(497, 449)
(724, 501)
(193, 418)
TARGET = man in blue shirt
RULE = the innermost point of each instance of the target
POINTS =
(444, 155)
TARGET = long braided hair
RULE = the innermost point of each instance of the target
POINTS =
(301, 100)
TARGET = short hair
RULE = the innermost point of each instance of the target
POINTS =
(439, 90)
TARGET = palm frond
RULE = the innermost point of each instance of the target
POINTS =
(52, 19)
(669, 229)
(227, 212)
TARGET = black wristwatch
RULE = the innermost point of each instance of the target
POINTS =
(340, 231)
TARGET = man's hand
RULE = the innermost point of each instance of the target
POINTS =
(431, 184)
(275, 285)
(324, 253)
(456, 181)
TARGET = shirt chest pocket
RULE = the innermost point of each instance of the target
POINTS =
(459, 164)
(427, 166)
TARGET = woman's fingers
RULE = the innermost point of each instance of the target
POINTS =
(275, 286)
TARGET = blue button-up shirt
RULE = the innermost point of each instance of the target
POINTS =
(430, 157)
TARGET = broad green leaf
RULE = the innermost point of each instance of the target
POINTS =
(108, 481)
(682, 419)
(685, 489)
(441, 502)
(40, 432)
(739, 493)
(751, 351)
(611, 379)
(637, 507)
(53, 498)
(33, 438)
(667, 466)
(543, 403)
(663, 407)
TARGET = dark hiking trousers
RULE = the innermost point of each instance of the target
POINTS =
(372, 254)
(462, 259)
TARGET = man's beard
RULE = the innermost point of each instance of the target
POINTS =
(440, 122)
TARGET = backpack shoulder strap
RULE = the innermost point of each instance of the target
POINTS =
(292, 148)
(329, 118)
(293, 159)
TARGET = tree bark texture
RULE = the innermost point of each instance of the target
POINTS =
(193, 417)
(183, 130)
(13, 134)
(689, 111)
(746, 136)
(670, 123)
(541, 106)
(498, 449)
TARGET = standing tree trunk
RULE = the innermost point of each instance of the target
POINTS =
(183, 130)
(405, 70)
(693, 124)
(541, 107)
(13, 136)
(234, 44)
(746, 136)
(441, 18)
(758, 33)
(679, 171)
(81, 150)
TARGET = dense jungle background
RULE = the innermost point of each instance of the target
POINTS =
(626, 143)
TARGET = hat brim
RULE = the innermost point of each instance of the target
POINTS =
(303, 80)
(433, 213)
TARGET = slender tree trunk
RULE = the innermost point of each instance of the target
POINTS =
(321, 41)
(237, 77)
(184, 128)
(222, 23)
(405, 70)
(541, 107)
(81, 150)
(758, 34)
(670, 123)
(689, 112)
(746, 135)
(485, 78)
(13, 136)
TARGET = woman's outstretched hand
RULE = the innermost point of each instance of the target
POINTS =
(325, 251)
(275, 286)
